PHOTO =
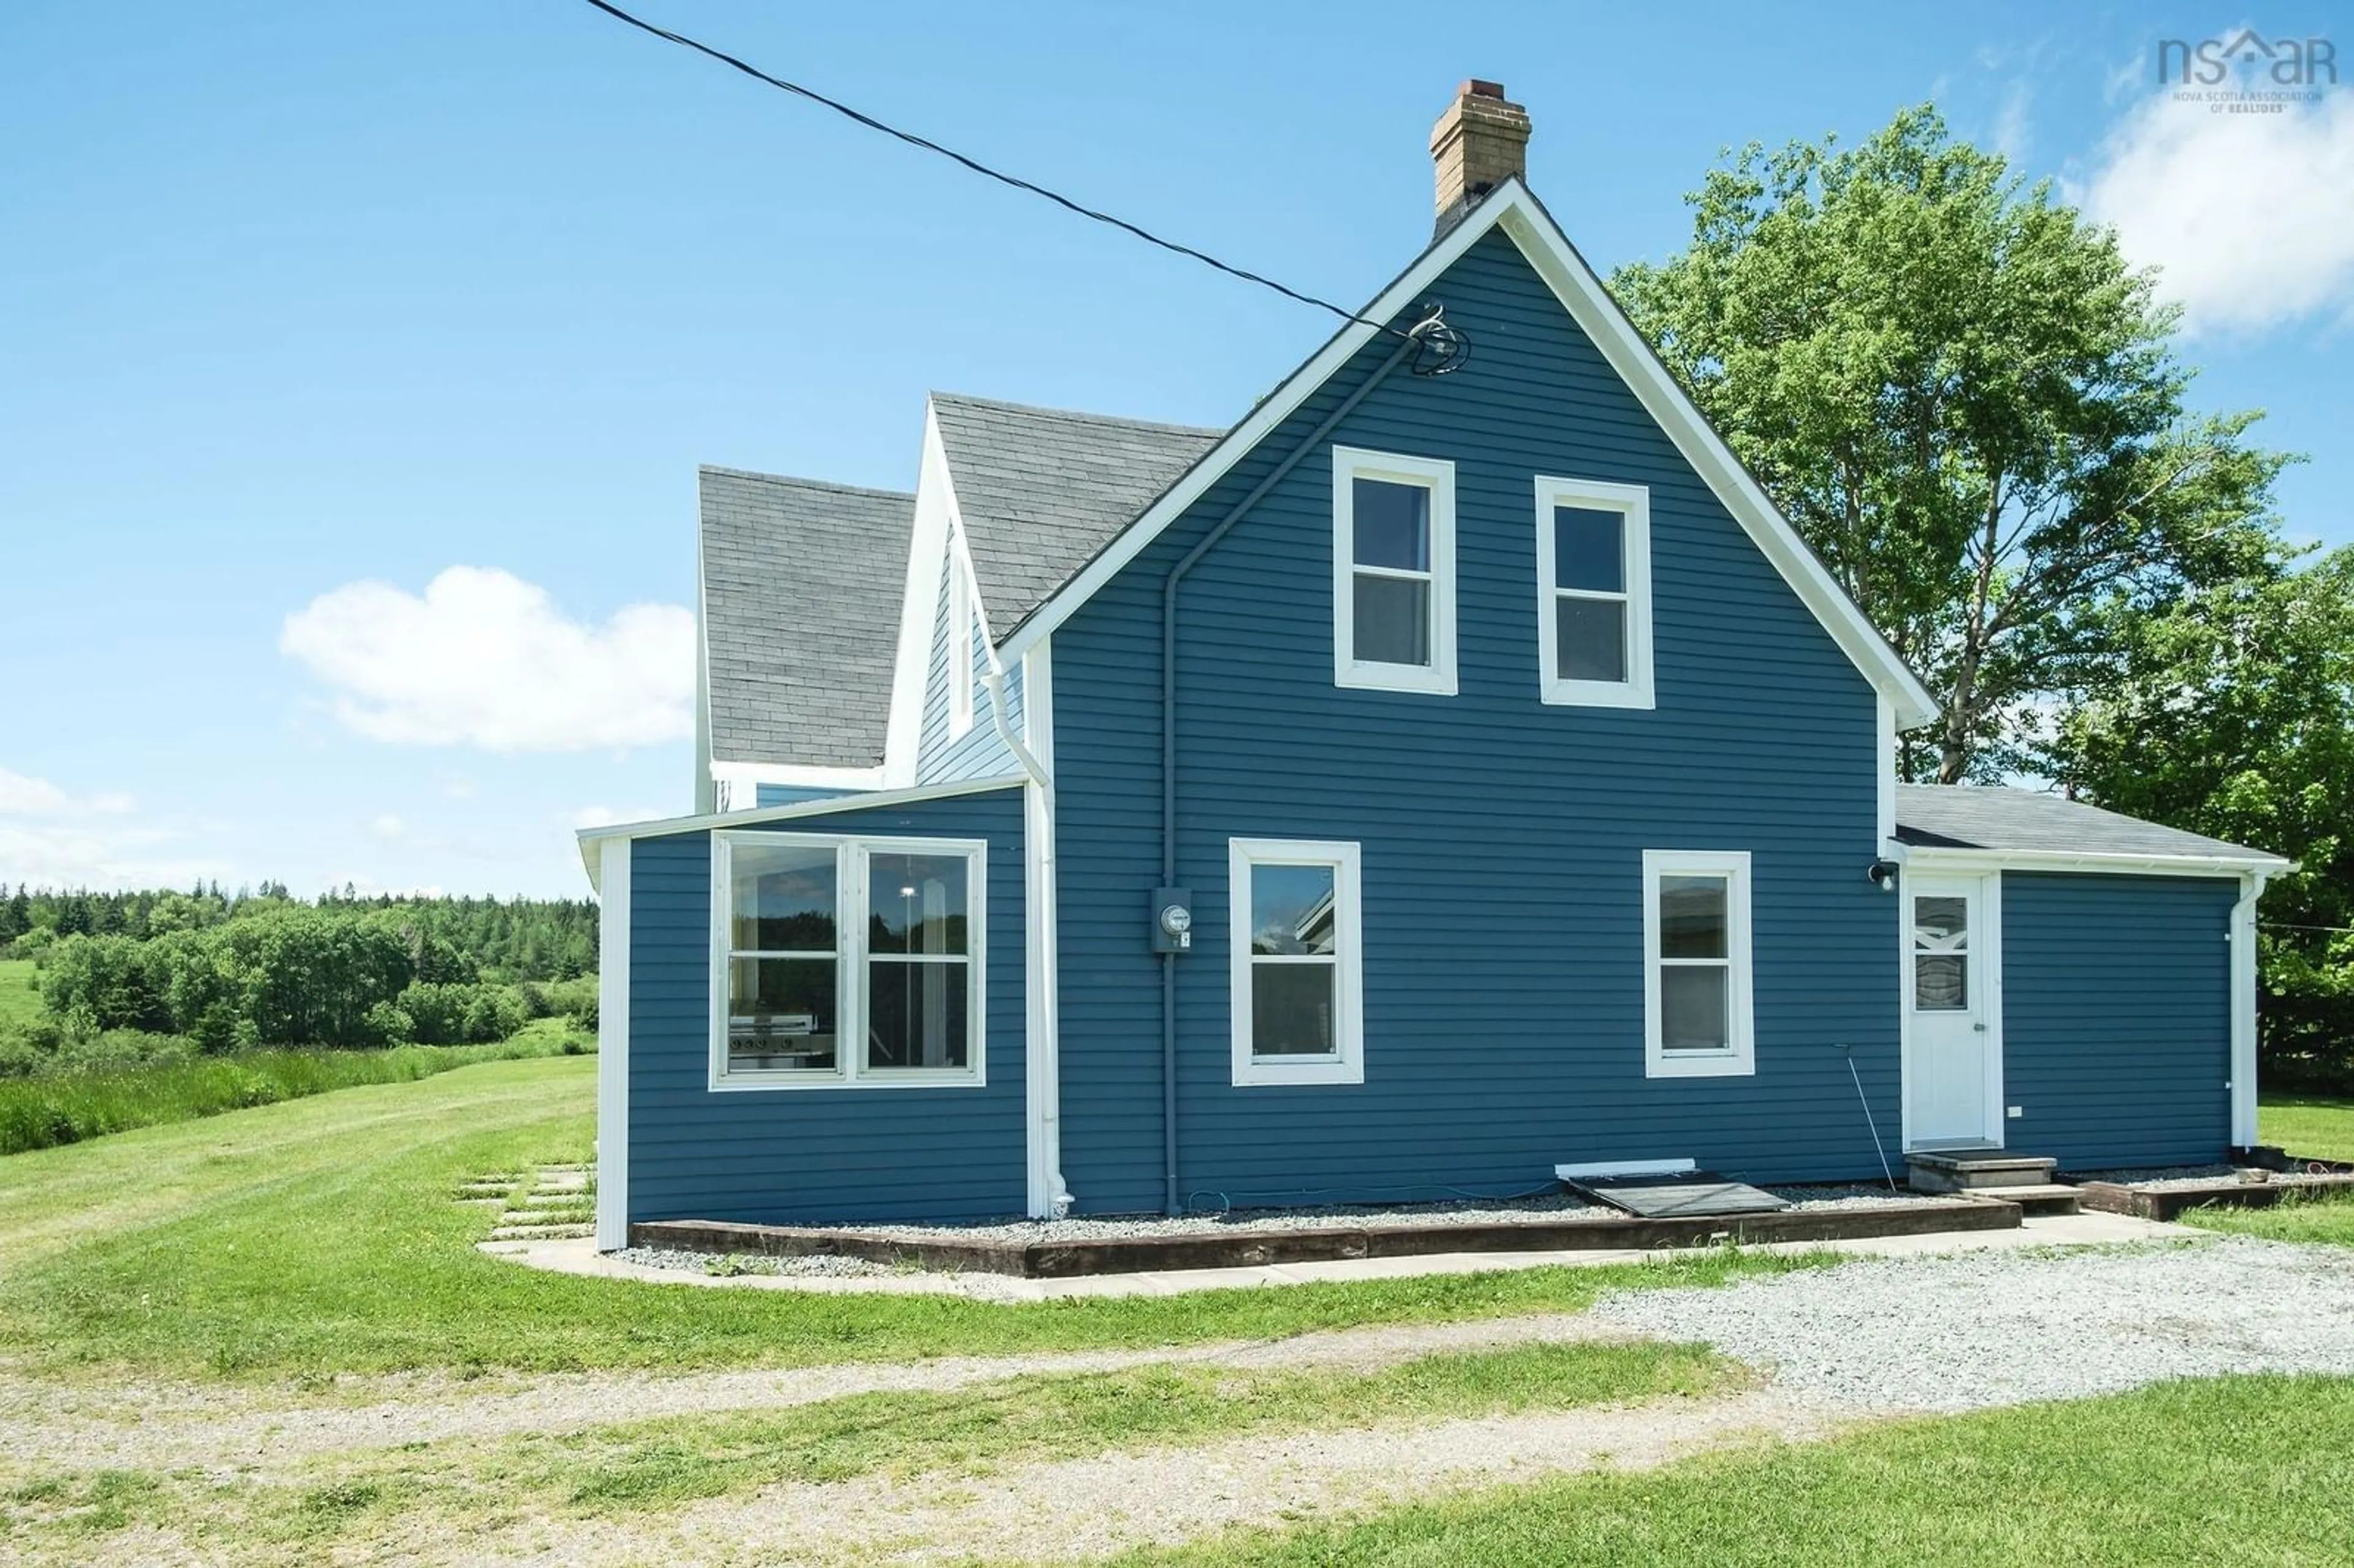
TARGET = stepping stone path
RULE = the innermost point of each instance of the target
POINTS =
(555, 1203)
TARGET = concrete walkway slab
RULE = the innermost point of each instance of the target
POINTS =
(581, 1256)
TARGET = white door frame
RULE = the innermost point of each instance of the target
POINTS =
(1986, 952)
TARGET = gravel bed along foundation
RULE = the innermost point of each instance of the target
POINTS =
(1959, 1332)
(2175, 1178)
(1537, 1209)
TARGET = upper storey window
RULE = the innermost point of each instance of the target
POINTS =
(1393, 572)
(1594, 593)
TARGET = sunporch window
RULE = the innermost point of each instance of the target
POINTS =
(842, 961)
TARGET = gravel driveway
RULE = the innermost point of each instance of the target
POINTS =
(1965, 1332)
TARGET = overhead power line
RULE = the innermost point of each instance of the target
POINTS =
(1440, 348)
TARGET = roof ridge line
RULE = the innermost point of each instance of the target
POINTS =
(1211, 431)
(704, 468)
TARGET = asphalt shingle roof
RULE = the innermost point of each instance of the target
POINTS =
(802, 587)
(1964, 816)
(1042, 490)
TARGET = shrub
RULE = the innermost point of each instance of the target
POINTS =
(68, 1106)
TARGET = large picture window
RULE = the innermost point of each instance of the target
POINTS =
(1594, 593)
(1299, 1015)
(844, 962)
(1696, 981)
(1393, 572)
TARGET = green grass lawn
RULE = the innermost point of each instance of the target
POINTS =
(2240, 1471)
(20, 992)
(2306, 1125)
(2325, 1221)
(649, 1466)
(318, 1236)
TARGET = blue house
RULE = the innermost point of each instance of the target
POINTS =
(1428, 782)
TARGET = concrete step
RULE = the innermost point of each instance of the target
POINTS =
(1972, 1170)
(2037, 1198)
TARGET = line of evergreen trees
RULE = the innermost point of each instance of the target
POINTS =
(507, 940)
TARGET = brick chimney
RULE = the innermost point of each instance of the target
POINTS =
(1479, 143)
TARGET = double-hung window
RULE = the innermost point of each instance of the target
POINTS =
(842, 961)
(1594, 593)
(1298, 958)
(1696, 979)
(1393, 572)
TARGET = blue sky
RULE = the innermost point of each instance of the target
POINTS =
(307, 305)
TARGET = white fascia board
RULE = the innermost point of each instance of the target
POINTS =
(799, 775)
(1523, 219)
(935, 522)
(591, 838)
(1933, 858)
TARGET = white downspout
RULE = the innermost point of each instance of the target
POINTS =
(2243, 1010)
(1049, 1068)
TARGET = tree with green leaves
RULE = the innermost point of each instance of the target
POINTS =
(2230, 713)
(1968, 403)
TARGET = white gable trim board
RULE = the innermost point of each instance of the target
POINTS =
(1524, 221)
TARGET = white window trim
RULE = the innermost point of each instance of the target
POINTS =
(852, 853)
(959, 634)
(1739, 1059)
(1348, 1064)
(1632, 501)
(1437, 476)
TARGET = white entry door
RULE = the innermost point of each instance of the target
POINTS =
(1953, 1063)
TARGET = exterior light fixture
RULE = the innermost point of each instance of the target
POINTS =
(1884, 873)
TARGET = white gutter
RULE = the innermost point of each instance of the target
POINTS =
(1049, 1192)
(1933, 857)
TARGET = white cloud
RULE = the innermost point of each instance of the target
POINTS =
(24, 797)
(485, 659)
(2249, 218)
(51, 838)
(387, 826)
(605, 816)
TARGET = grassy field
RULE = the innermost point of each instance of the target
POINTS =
(68, 1107)
(20, 992)
(2307, 1124)
(319, 1236)
(2242, 1471)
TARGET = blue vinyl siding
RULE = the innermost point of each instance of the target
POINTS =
(767, 795)
(2117, 1017)
(978, 753)
(818, 1154)
(1503, 839)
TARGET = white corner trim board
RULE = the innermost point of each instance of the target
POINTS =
(613, 1047)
